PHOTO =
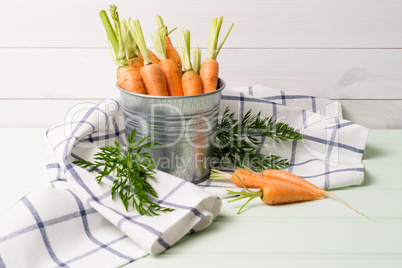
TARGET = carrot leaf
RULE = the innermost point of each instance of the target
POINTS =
(248, 194)
(131, 168)
(240, 141)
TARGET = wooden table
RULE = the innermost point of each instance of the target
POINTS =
(321, 233)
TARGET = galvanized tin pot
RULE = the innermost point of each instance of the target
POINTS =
(185, 125)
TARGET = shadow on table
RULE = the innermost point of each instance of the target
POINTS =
(372, 152)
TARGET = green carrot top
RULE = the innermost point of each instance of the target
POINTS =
(115, 35)
(185, 53)
(159, 43)
(140, 41)
(212, 43)
(162, 26)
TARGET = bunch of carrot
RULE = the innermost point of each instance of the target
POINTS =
(144, 72)
(276, 187)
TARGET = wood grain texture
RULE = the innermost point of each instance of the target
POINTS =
(329, 73)
(258, 24)
(311, 234)
(347, 50)
(49, 112)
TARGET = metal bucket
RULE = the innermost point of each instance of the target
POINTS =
(185, 125)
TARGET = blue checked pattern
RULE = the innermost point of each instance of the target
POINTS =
(77, 224)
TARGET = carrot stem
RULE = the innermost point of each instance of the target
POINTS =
(196, 59)
(248, 194)
(159, 43)
(109, 30)
(140, 41)
(217, 175)
(220, 46)
(212, 43)
(128, 36)
(121, 57)
(186, 51)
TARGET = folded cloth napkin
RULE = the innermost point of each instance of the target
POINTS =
(329, 156)
(79, 225)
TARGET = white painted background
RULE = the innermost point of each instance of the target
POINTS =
(54, 53)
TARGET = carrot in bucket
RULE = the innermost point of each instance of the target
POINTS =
(190, 81)
(151, 73)
(168, 67)
(171, 52)
(210, 67)
(127, 77)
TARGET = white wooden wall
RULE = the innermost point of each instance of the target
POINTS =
(54, 55)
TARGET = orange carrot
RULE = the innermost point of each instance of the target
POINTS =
(209, 75)
(171, 52)
(154, 58)
(151, 73)
(154, 80)
(287, 176)
(250, 179)
(127, 77)
(135, 63)
(275, 192)
(172, 77)
(191, 81)
(210, 67)
(169, 69)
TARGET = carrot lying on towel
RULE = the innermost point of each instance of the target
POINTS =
(275, 192)
(210, 67)
(249, 179)
(190, 81)
(151, 73)
(127, 77)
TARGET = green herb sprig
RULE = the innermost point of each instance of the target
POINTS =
(238, 141)
(132, 168)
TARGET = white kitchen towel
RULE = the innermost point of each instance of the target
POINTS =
(79, 225)
(329, 156)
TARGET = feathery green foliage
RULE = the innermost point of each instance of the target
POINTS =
(238, 141)
(132, 169)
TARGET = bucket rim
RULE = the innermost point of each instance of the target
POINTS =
(220, 82)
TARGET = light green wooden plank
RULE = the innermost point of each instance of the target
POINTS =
(378, 136)
(235, 243)
(383, 154)
(381, 176)
(241, 260)
(260, 237)
(323, 232)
